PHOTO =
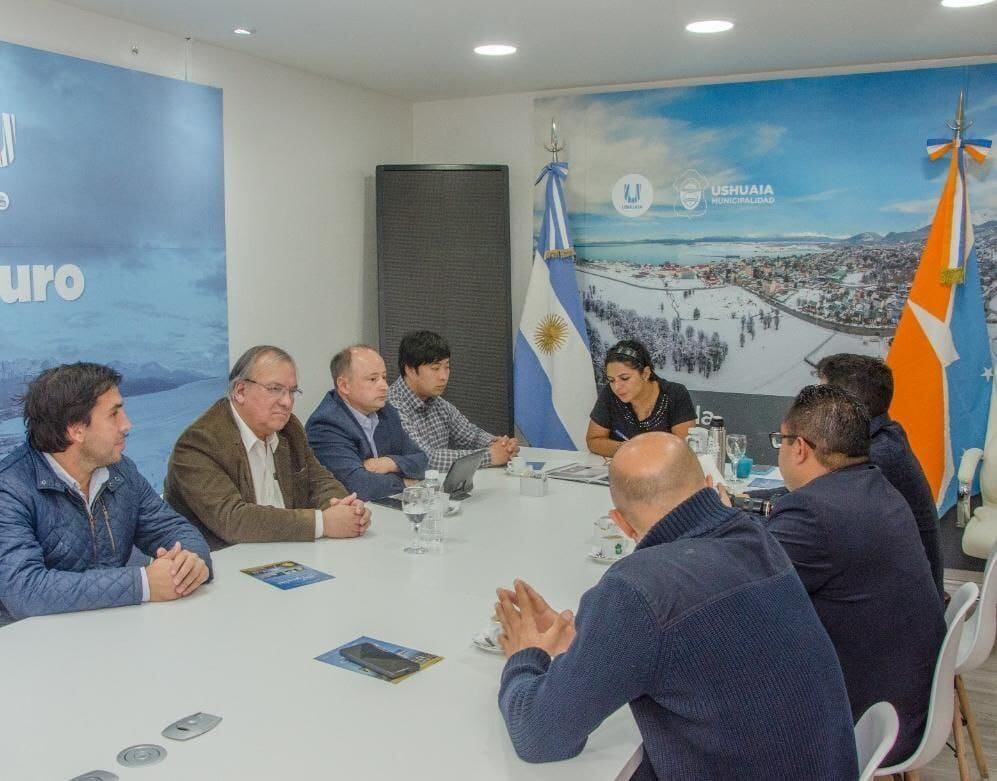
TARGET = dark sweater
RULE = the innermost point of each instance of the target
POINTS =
(853, 541)
(706, 631)
(341, 446)
(891, 452)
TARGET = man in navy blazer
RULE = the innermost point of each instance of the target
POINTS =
(872, 381)
(854, 543)
(357, 435)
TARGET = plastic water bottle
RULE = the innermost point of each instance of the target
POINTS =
(432, 525)
(432, 481)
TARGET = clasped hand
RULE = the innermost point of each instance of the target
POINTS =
(529, 622)
(175, 573)
(502, 449)
(346, 517)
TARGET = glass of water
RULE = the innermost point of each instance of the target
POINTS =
(736, 446)
(415, 503)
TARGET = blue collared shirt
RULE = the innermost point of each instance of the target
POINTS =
(368, 423)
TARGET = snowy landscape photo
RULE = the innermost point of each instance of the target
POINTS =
(744, 231)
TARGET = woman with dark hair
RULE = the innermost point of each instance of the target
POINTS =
(635, 400)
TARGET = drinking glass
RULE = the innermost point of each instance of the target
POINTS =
(736, 445)
(414, 505)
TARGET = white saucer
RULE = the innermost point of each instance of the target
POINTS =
(603, 559)
(484, 642)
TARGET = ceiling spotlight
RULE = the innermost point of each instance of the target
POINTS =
(244, 30)
(964, 3)
(709, 26)
(495, 49)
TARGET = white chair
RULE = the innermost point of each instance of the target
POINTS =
(875, 735)
(980, 535)
(974, 649)
(941, 705)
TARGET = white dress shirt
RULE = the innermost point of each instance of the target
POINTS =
(100, 476)
(262, 469)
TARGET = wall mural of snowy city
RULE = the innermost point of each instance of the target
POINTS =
(743, 231)
(112, 240)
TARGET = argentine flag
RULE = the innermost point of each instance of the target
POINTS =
(554, 383)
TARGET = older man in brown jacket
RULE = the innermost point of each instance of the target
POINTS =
(243, 471)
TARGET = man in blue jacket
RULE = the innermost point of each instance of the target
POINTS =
(357, 435)
(872, 381)
(853, 541)
(705, 630)
(72, 506)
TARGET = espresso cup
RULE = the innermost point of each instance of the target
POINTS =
(614, 546)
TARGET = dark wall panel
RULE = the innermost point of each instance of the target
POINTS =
(443, 264)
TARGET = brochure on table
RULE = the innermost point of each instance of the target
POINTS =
(582, 473)
(422, 658)
(287, 574)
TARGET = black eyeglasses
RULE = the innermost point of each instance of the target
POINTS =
(776, 438)
(276, 390)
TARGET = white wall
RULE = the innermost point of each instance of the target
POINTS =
(488, 130)
(300, 153)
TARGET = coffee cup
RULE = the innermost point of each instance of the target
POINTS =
(516, 465)
(612, 546)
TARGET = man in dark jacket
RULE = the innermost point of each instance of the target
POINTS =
(872, 381)
(72, 506)
(853, 541)
(357, 435)
(705, 630)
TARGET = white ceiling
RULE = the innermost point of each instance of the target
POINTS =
(421, 49)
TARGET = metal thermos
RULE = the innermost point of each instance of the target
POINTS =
(716, 441)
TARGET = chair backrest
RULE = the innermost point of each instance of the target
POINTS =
(981, 627)
(875, 735)
(940, 706)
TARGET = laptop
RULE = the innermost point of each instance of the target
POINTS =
(458, 483)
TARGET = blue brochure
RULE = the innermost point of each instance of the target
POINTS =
(287, 574)
(336, 659)
(764, 484)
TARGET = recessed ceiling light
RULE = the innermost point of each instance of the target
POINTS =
(244, 30)
(495, 49)
(709, 26)
(964, 3)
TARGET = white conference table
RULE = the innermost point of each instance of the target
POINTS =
(78, 688)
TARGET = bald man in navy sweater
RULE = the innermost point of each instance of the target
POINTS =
(705, 631)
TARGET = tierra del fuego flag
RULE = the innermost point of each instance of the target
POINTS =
(553, 384)
(940, 356)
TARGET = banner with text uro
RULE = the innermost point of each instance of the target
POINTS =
(112, 239)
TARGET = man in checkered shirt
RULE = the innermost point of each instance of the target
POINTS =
(435, 424)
